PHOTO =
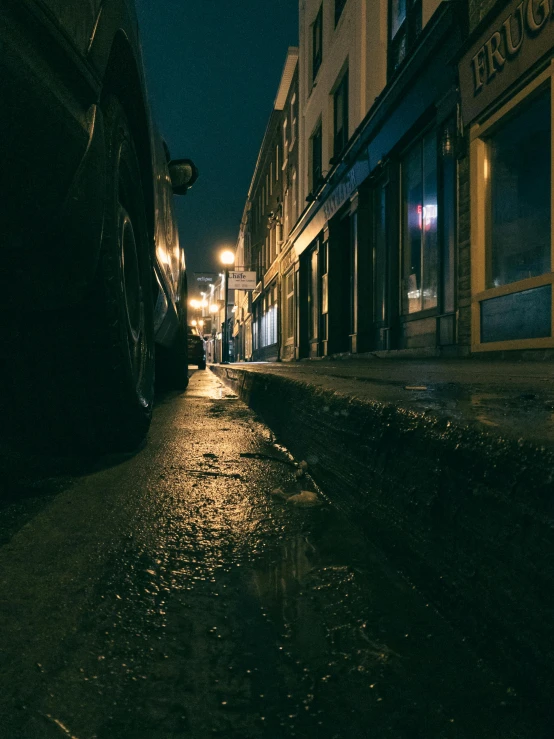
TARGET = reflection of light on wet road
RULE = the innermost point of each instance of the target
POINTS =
(163, 603)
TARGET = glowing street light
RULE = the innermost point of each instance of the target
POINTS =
(227, 258)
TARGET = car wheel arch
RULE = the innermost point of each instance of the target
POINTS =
(123, 80)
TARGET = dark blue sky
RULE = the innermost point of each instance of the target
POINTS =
(213, 68)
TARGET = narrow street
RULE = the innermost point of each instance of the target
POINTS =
(182, 592)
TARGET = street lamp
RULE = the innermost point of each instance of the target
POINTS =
(227, 258)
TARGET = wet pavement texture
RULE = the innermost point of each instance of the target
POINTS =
(507, 398)
(184, 592)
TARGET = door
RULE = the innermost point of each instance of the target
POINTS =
(381, 329)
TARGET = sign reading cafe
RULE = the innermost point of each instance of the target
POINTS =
(242, 280)
(521, 35)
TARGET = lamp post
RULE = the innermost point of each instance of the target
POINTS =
(227, 259)
(214, 310)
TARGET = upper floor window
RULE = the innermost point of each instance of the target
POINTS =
(317, 43)
(404, 27)
(340, 116)
(293, 120)
(277, 162)
(339, 7)
(285, 140)
(316, 147)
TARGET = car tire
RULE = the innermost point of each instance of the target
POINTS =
(81, 379)
(120, 306)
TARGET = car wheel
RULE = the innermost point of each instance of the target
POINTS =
(120, 307)
(82, 378)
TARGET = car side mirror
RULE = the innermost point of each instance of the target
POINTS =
(183, 174)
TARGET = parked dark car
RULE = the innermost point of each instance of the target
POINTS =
(93, 275)
(196, 348)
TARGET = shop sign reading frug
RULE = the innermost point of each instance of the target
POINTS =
(242, 280)
(520, 36)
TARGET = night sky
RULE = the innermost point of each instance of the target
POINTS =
(213, 68)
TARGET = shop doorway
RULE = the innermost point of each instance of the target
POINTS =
(381, 267)
(341, 284)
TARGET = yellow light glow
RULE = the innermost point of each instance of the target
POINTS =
(486, 168)
(227, 257)
(193, 323)
(214, 308)
(194, 304)
(200, 323)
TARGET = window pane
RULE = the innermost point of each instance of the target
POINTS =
(339, 7)
(398, 15)
(317, 43)
(316, 159)
(429, 222)
(341, 115)
(379, 254)
(314, 309)
(519, 213)
(412, 189)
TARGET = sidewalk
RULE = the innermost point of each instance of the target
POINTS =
(448, 466)
(511, 399)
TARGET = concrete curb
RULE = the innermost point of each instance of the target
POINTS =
(468, 517)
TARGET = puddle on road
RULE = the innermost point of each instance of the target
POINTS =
(363, 653)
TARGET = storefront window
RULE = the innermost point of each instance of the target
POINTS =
(289, 305)
(518, 228)
(313, 295)
(380, 270)
(419, 227)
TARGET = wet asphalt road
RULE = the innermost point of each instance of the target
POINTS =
(171, 594)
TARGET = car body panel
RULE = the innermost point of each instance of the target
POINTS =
(196, 346)
(77, 18)
(55, 58)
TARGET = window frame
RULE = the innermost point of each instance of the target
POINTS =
(293, 121)
(341, 88)
(479, 206)
(317, 134)
(409, 29)
(423, 312)
(339, 8)
(288, 318)
(317, 43)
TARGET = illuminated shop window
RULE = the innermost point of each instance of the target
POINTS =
(289, 305)
(419, 227)
(517, 171)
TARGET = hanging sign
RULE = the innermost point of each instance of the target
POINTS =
(242, 280)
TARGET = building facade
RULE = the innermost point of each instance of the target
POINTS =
(271, 208)
(507, 193)
(422, 218)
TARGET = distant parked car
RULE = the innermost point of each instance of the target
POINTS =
(92, 272)
(196, 348)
